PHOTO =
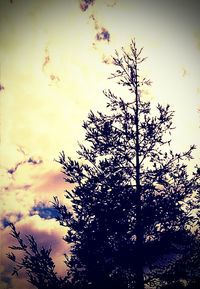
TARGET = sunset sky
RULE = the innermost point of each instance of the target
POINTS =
(55, 60)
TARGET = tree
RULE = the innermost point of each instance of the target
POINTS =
(129, 186)
(131, 200)
(37, 262)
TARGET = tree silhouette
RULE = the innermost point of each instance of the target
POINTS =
(37, 262)
(132, 198)
(129, 186)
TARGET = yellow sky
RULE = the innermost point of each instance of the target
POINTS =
(53, 71)
(37, 110)
(42, 106)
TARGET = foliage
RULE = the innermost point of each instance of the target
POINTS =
(37, 262)
(131, 204)
(103, 222)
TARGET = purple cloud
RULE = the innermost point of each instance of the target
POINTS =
(84, 4)
(103, 34)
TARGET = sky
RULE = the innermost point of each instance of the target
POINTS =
(55, 60)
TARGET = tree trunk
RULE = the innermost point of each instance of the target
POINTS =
(139, 225)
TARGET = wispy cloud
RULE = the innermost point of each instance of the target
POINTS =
(46, 59)
(47, 68)
(184, 72)
(84, 4)
(30, 160)
(1, 87)
(102, 32)
(111, 3)
(27, 159)
(102, 38)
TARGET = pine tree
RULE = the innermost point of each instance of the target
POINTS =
(129, 186)
(132, 198)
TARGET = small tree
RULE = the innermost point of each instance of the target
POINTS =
(129, 202)
(37, 262)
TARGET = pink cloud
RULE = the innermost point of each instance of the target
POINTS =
(50, 184)
(31, 183)
(47, 233)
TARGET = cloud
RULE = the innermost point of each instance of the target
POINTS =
(30, 160)
(96, 24)
(15, 203)
(44, 211)
(46, 77)
(184, 72)
(28, 206)
(10, 217)
(84, 4)
(54, 78)
(46, 59)
(1, 87)
(27, 188)
(101, 38)
(47, 67)
(47, 233)
(17, 195)
(25, 201)
(111, 3)
(50, 184)
(31, 190)
(107, 59)
(19, 152)
(102, 32)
